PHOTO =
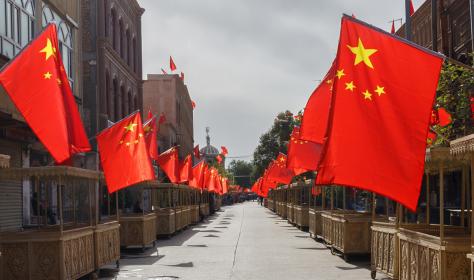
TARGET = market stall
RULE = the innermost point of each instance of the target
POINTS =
(316, 206)
(204, 203)
(290, 213)
(137, 220)
(163, 205)
(301, 206)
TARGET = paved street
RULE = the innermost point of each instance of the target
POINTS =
(244, 241)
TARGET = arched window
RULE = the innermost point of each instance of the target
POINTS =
(134, 55)
(128, 43)
(121, 38)
(106, 19)
(105, 104)
(114, 29)
(114, 104)
(124, 102)
(135, 102)
(16, 25)
(130, 102)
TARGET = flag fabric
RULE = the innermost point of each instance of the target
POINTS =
(210, 179)
(149, 129)
(123, 154)
(412, 9)
(172, 65)
(444, 117)
(380, 113)
(303, 155)
(224, 151)
(197, 153)
(186, 169)
(168, 161)
(225, 185)
(392, 30)
(316, 113)
(218, 184)
(277, 171)
(162, 119)
(149, 115)
(193, 104)
(198, 175)
(431, 138)
(36, 82)
(219, 159)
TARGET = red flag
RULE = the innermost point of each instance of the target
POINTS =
(430, 140)
(163, 71)
(181, 76)
(316, 113)
(303, 155)
(210, 179)
(198, 175)
(39, 87)
(224, 151)
(218, 184)
(444, 117)
(219, 159)
(150, 115)
(277, 171)
(123, 154)
(393, 27)
(377, 132)
(162, 119)
(149, 128)
(193, 104)
(412, 9)
(197, 153)
(225, 185)
(172, 65)
(186, 170)
(169, 163)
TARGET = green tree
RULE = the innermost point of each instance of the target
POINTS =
(241, 171)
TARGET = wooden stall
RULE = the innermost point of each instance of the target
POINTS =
(301, 206)
(290, 203)
(137, 220)
(194, 205)
(316, 206)
(463, 149)
(204, 203)
(63, 236)
(437, 248)
(163, 205)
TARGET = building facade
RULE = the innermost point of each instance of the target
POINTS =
(112, 63)
(168, 95)
(453, 29)
(20, 22)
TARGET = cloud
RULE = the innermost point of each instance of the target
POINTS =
(247, 60)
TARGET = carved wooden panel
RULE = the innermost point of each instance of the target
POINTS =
(79, 256)
(15, 261)
(107, 245)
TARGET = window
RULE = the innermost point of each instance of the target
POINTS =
(65, 38)
(106, 19)
(124, 101)
(16, 25)
(114, 31)
(134, 55)
(121, 39)
(130, 101)
(127, 50)
(115, 101)
(106, 106)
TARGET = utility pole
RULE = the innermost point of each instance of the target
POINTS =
(408, 20)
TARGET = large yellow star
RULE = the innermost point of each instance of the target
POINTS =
(380, 90)
(340, 73)
(130, 127)
(362, 54)
(350, 86)
(48, 50)
(47, 75)
(367, 95)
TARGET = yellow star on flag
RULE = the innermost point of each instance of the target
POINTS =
(380, 90)
(329, 81)
(130, 127)
(362, 54)
(340, 73)
(367, 95)
(47, 75)
(350, 86)
(59, 81)
(48, 50)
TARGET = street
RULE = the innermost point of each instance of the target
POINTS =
(241, 242)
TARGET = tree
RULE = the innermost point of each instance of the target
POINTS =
(273, 142)
(241, 171)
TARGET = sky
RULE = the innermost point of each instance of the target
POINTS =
(246, 60)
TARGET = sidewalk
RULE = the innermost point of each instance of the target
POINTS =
(242, 242)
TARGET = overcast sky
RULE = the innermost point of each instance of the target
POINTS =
(246, 60)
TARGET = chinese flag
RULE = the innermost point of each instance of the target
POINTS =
(444, 117)
(197, 154)
(210, 179)
(381, 110)
(198, 175)
(149, 115)
(123, 154)
(219, 159)
(412, 9)
(393, 27)
(316, 113)
(277, 171)
(169, 163)
(303, 155)
(186, 170)
(193, 104)
(172, 65)
(218, 184)
(225, 185)
(149, 128)
(224, 151)
(39, 87)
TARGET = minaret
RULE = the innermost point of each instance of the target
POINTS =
(208, 138)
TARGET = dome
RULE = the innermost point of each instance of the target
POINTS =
(209, 150)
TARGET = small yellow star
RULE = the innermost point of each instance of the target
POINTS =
(362, 54)
(329, 81)
(48, 50)
(47, 75)
(130, 127)
(350, 86)
(140, 135)
(340, 73)
(147, 129)
(59, 81)
(136, 141)
(367, 95)
(380, 90)
(128, 143)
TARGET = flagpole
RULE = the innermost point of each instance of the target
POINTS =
(407, 20)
